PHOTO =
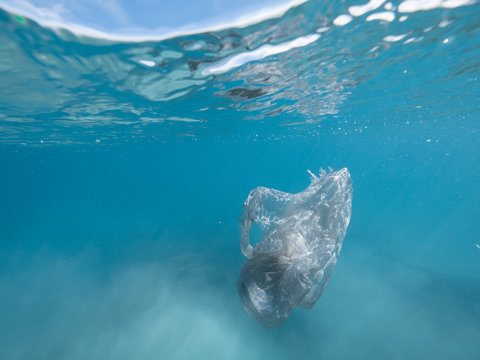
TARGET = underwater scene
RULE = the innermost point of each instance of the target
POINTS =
(298, 184)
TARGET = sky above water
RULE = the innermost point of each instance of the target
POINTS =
(152, 17)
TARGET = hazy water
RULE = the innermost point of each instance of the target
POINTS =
(124, 166)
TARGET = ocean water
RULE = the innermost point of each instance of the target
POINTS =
(124, 165)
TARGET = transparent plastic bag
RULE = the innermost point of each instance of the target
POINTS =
(302, 235)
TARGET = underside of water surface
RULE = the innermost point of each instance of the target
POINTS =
(126, 158)
(302, 68)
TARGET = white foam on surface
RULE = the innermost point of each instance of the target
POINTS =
(260, 53)
(388, 16)
(342, 20)
(394, 38)
(359, 10)
(149, 63)
(388, 6)
(409, 6)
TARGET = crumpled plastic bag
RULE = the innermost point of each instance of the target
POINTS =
(302, 235)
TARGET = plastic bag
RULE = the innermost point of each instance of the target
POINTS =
(302, 235)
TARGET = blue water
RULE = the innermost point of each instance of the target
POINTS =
(121, 185)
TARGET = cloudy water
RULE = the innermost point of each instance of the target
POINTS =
(125, 161)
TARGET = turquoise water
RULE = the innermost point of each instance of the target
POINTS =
(125, 165)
